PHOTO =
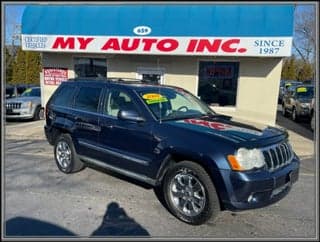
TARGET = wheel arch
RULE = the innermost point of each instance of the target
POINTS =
(214, 174)
(56, 132)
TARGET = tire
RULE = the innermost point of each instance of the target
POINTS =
(65, 155)
(284, 111)
(41, 113)
(37, 113)
(294, 115)
(312, 122)
(190, 194)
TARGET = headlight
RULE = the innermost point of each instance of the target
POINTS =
(245, 159)
(26, 105)
(305, 105)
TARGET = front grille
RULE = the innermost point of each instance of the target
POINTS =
(13, 105)
(277, 156)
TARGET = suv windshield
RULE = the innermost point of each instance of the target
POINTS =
(304, 92)
(170, 103)
(31, 92)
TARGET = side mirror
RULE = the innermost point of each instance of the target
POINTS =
(130, 115)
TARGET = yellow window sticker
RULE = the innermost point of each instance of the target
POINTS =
(151, 96)
(28, 90)
(301, 89)
(154, 98)
(160, 100)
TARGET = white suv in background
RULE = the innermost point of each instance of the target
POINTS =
(26, 106)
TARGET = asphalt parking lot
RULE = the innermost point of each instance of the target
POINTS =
(40, 200)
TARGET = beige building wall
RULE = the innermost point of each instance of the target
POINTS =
(258, 90)
(177, 70)
(258, 82)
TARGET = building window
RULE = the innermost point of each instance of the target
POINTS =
(152, 75)
(218, 82)
(90, 67)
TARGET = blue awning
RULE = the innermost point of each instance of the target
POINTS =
(163, 19)
(166, 29)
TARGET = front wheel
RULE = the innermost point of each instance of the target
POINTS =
(284, 111)
(312, 122)
(190, 194)
(294, 115)
(38, 114)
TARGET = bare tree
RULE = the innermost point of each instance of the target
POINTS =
(304, 41)
(12, 34)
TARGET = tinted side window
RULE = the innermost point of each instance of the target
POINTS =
(64, 96)
(88, 98)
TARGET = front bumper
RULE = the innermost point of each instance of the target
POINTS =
(256, 189)
(303, 111)
(23, 113)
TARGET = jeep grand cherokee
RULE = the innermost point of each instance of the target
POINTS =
(202, 162)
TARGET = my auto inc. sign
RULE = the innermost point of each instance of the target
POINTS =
(219, 46)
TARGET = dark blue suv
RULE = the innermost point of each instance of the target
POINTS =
(202, 162)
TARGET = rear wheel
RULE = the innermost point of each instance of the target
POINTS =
(65, 155)
(190, 194)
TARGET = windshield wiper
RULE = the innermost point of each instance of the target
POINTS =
(208, 114)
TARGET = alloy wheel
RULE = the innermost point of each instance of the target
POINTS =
(63, 154)
(187, 193)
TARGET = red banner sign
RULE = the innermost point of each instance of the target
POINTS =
(54, 76)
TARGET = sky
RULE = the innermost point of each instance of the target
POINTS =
(13, 16)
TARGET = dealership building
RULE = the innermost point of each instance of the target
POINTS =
(230, 56)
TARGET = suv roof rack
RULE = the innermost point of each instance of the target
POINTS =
(131, 80)
(115, 79)
(89, 78)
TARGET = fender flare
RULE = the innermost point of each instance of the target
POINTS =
(164, 167)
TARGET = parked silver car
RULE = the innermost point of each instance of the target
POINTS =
(284, 85)
(297, 101)
(26, 106)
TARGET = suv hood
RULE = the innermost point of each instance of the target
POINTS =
(21, 99)
(230, 130)
(305, 99)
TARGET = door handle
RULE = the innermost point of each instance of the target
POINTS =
(110, 126)
(107, 125)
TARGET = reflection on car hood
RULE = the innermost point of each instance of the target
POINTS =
(228, 129)
(22, 99)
